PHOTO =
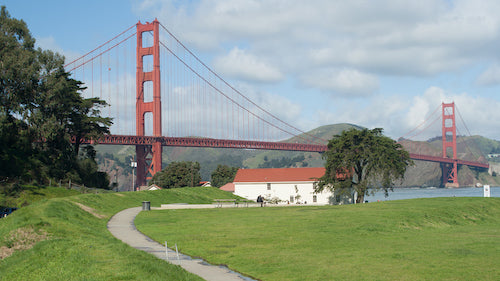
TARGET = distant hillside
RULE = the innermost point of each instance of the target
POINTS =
(116, 159)
(325, 133)
(472, 148)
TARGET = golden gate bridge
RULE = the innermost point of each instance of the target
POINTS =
(162, 94)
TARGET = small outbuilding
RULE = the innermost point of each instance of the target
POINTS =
(151, 187)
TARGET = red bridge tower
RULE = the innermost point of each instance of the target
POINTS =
(148, 156)
(450, 170)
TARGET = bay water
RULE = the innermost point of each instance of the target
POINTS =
(431, 192)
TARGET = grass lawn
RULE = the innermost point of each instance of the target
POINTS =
(31, 194)
(55, 239)
(420, 239)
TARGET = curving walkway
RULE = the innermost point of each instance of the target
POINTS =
(121, 225)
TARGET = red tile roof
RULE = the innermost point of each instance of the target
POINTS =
(278, 175)
(228, 187)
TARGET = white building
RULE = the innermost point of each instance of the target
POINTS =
(286, 185)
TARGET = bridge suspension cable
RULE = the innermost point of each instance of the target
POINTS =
(73, 62)
(469, 135)
(437, 117)
(318, 139)
(204, 98)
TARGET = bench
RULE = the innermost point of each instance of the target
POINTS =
(219, 202)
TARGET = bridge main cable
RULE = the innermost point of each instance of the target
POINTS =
(236, 91)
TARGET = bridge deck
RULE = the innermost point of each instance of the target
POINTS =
(220, 143)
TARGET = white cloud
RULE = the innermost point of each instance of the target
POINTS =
(378, 37)
(49, 43)
(279, 106)
(490, 76)
(474, 115)
(346, 82)
(403, 117)
(240, 64)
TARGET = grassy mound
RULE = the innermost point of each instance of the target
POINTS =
(421, 239)
(67, 239)
(10, 196)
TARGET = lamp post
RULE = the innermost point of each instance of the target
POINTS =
(133, 164)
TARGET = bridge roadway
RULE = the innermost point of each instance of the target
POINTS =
(205, 142)
(220, 143)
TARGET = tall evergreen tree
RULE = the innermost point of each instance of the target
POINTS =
(41, 110)
(360, 160)
(19, 70)
(63, 116)
(18, 82)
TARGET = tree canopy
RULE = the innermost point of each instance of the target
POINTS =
(359, 160)
(41, 110)
(178, 174)
(223, 174)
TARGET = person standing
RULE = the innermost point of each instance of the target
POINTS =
(260, 200)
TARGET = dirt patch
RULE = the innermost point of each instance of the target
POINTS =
(119, 194)
(22, 239)
(90, 210)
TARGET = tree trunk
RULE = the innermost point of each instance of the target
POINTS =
(360, 198)
(76, 145)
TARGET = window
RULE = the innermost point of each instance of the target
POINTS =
(315, 199)
(291, 198)
(268, 186)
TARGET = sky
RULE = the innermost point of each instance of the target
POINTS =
(384, 63)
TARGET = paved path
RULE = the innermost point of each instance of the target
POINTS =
(122, 227)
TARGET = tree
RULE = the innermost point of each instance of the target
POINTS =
(223, 174)
(15, 147)
(19, 70)
(178, 174)
(62, 118)
(41, 110)
(18, 82)
(88, 169)
(60, 98)
(360, 160)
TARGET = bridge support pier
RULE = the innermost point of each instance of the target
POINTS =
(148, 157)
(142, 163)
(450, 174)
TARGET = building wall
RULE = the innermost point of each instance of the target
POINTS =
(293, 192)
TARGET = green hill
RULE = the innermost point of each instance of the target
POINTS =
(67, 239)
(22, 195)
(328, 131)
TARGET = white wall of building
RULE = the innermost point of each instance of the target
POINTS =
(298, 192)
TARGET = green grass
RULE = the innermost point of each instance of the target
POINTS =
(31, 194)
(421, 239)
(80, 247)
